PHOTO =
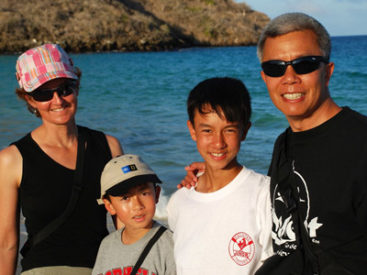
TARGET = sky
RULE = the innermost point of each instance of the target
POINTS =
(339, 17)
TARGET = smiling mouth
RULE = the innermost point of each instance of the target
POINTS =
(58, 109)
(217, 154)
(293, 96)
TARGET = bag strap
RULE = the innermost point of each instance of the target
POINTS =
(75, 193)
(291, 199)
(306, 243)
(147, 248)
(302, 236)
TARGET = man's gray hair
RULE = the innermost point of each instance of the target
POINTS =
(295, 21)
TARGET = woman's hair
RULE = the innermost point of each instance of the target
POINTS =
(22, 94)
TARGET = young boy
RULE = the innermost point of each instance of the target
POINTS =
(223, 224)
(129, 191)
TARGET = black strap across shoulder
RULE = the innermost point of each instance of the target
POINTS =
(76, 189)
(147, 248)
(291, 199)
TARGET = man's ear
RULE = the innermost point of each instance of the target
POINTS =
(263, 76)
(245, 131)
(157, 193)
(109, 207)
(192, 130)
(329, 69)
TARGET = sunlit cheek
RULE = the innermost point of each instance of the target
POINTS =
(42, 105)
(204, 139)
(125, 206)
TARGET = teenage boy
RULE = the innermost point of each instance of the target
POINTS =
(129, 190)
(223, 224)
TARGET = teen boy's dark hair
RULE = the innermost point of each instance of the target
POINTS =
(227, 94)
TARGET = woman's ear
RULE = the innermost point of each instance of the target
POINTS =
(30, 101)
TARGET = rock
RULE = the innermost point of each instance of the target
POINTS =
(127, 25)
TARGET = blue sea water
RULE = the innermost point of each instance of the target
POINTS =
(140, 99)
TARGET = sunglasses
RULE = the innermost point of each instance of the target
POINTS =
(43, 95)
(302, 65)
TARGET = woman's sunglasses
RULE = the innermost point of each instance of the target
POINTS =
(302, 65)
(47, 94)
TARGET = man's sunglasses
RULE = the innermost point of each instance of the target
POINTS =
(47, 94)
(302, 65)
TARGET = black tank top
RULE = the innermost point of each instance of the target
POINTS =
(45, 190)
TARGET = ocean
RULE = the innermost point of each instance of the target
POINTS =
(140, 98)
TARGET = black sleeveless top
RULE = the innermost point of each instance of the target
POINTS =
(45, 190)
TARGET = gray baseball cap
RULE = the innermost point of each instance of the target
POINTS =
(124, 172)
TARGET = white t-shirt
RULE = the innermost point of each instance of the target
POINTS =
(224, 232)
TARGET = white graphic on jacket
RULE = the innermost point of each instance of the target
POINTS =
(283, 230)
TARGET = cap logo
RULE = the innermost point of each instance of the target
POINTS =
(129, 168)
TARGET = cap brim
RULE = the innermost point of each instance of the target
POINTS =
(123, 187)
(44, 78)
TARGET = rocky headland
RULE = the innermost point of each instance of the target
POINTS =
(127, 25)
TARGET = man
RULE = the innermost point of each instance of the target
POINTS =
(321, 157)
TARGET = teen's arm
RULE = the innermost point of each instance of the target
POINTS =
(10, 176)
(191, 177)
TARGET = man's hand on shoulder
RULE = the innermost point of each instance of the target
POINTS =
(194, 170)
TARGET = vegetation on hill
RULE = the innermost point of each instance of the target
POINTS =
(127, 25)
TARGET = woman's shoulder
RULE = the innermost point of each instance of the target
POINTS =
(10, 154)
(11, 164)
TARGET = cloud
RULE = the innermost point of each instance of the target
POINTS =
(305, 6)
(352, 1)
(340, 17)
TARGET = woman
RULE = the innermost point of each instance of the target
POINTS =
(37, 172)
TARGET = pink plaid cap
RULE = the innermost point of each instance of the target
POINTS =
(41, 64)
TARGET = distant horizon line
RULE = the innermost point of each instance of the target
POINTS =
(345, 35)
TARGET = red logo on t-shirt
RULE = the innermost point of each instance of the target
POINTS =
(241, 248)
(127, 271)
